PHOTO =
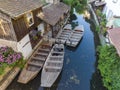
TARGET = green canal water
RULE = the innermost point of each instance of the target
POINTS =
(79, 71)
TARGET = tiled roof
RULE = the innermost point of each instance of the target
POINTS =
(52, 13)
(16, 8)
(114, 36)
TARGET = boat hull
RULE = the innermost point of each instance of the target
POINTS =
(76, 36)
(53, 66)
(35, 63)
(27, 76)
(48, 79)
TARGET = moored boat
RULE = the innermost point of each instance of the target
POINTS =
(53, 66)
(34, 64)
(64, 35)
(75, 36)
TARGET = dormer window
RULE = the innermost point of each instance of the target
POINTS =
(4, 27)
(115, 1)
(29, 17)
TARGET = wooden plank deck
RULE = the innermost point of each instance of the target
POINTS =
(9, 79)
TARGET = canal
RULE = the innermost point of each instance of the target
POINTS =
(79, 71)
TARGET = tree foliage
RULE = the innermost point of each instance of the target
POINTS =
(79, 5)
(109, 66)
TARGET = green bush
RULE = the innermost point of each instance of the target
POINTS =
(97, 28)
(109, 66)
(2, 68)
(102, 21)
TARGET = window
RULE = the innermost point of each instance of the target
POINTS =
(4, 27)
(105, 10)
(29, 17)
(115, 1)
(110, 15)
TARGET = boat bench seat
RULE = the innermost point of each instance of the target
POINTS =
(46, 46)
(35, 64)
(51, 69)
(56, 51)
(55, 61)
(55, 67)
(38, 59)
(54, 58)
(44, 54)
(65, 33)
(44, 50)
(62, 37)
(40, 55)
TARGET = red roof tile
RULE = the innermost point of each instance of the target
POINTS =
(114, 36)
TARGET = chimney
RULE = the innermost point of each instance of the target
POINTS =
(53, 1)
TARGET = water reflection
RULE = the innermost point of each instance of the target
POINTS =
(74, 79)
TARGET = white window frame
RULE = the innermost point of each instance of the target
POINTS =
(2, 26)
(105, 10)
(29, 16)
(110, 14)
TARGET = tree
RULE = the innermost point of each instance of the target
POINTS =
(79, 5)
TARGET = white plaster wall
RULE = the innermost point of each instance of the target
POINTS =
(114, 7)
(12, 44)
(24, 46)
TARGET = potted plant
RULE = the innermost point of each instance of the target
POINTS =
(35, 37)
(39, 33)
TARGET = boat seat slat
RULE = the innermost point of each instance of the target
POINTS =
(52, 70)
(55, 67)
(39, 59)
(44, 54)
(44, 49)
(54, 62)
(35, 64)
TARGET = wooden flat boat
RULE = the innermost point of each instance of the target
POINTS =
(76, 36)
(53, 66)
(34, 64)
(64, 35)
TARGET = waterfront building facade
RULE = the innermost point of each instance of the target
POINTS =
(23, 29)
